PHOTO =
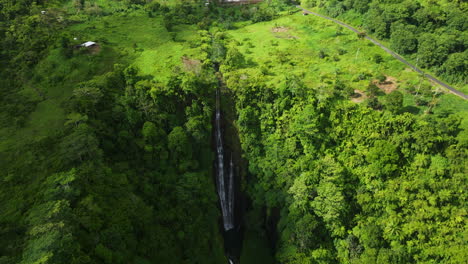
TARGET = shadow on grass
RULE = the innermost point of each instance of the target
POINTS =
(411, 109)
(381, 93)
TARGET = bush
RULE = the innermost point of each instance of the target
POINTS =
(394, 102)
(420, 100)
(381, 78)
(322, 54)
(410, 89)
(342, 51)
(377, 58)
(372, 90)
(374, 103)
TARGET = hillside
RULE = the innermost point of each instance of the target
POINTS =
(110, 153)
(432, 34)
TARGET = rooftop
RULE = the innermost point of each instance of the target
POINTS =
(88, 44)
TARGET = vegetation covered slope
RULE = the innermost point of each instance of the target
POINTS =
(431, 33)
(381, 181)
(105, 152)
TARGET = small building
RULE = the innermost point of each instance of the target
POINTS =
(89, 44)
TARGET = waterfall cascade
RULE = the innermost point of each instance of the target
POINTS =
(225, 185)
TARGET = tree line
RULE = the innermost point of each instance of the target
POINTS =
(431, 33)
(353, 183)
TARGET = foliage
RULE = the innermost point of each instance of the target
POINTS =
(106, 157)
(121, 168)
(354, 183)
(429, 31)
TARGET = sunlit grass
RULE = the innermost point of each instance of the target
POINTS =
(132, 38)
(348, 57)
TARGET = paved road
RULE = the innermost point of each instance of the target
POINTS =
(398, 57)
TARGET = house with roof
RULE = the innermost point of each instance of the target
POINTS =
(88, 44)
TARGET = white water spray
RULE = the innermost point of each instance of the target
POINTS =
(226, 197)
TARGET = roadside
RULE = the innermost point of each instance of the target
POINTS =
(395, 55)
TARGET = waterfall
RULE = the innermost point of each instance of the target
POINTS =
(226, 195)
(231, 190)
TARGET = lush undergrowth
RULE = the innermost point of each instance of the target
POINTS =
(356, 181)
(105, 151)
(428, 33)
(143, 41)
(99, 168)
(130, 37)
(324, 55)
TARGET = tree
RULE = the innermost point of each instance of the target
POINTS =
(65, 44)
(377, 58)
(80, 144)
(383, 158)
(78, 4)
(50, 238)
(155, 143)
(75, 119)
(361, 5)
(329, 205)
(131, 75)
(403, 39)
(394, 101)
(456, 65)
(433, 49)
(86, 97)
(179, 146)
(150, 132)
(374, 22)
(372, 90)
(234, 59)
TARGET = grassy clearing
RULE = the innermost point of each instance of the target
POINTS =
(55, 77)
(295, 44)
(126, 37)
(142, 41)
(288, 45)
(355, 19)
(307, 36)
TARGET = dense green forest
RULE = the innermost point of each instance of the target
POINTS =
(106, 153)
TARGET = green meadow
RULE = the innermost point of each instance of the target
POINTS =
(289, 45)
(131, 38)
(319, 52)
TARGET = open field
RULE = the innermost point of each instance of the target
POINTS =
(129, 38)
(316, 50)
(320, 52)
